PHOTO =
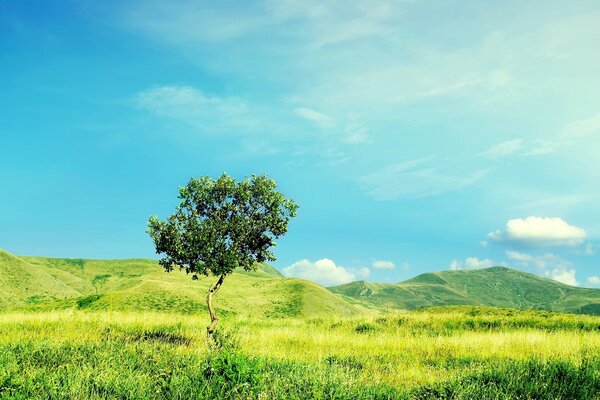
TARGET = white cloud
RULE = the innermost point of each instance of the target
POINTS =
(539, 231)
(317, 118)
(471, 263)
(593, 280)
(414, 179)
(504, 149)
(582, 128)
(357, 134)
(566, 276)
(452, 89)
(518, 256)
(499, 78)
(521, 148)
(363, 272)
(549, 265)
(185, 102)
(554, 203)
(324, 272)
(381, 264)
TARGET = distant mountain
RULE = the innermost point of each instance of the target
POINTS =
(496, 286)
(41, 283)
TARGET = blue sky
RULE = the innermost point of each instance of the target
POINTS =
(415, 135)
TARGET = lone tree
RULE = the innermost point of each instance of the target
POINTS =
(222, 225)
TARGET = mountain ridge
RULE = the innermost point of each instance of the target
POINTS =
(495, 286)
(138, 284)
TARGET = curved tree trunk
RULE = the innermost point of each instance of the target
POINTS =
(211, 309)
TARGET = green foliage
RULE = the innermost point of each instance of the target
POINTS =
(87, 301)
(365, 328)
(221, 225)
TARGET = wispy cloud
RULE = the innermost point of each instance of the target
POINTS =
(582, 128)
(414, 179)
(521, 147)
(191, 105)
(317, 118)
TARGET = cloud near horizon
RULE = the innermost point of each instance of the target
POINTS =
(324, 272)
(593, 280)
(548, 265)
(471, 263)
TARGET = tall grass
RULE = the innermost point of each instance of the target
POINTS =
(454, 353)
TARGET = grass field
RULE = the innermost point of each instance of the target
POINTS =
(456, 352)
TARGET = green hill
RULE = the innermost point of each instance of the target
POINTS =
(496, 286)
(41, 283)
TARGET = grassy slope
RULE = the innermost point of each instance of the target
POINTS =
(497, 286)
(442, 353)
(140, 284)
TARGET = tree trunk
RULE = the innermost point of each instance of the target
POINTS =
(211, 309)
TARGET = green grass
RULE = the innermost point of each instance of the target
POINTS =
(469, 353)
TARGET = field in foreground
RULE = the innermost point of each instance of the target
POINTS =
(456, 352)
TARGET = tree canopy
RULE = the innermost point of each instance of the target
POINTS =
(221, 225)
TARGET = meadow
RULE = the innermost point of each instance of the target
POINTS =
(445, 352)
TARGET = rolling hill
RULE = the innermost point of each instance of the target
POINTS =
(41, 283)
(496, 286)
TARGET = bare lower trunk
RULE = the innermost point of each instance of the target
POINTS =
(211, 309)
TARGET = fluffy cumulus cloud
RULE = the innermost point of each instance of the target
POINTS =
(593, 280)
(471, 263)
(382, 264)
(539, 231)
(324, 272)
(566, 276)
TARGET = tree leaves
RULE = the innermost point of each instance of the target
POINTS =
(222, 224)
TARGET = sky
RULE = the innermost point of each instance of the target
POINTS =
(415, 136)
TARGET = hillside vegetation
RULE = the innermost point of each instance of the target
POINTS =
(40, 283)
(496, 286)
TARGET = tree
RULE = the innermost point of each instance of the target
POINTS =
(222, 225)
